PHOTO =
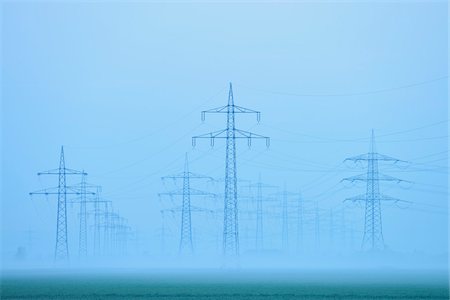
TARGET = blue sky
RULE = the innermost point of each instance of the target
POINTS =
(121, 86)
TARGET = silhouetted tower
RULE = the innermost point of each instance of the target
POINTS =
(285, 209)
(373, 232)
(316, 226)
(186, 245)
(231, 133)
(97, 222)
(84, 191)
(82, 239)
(259, 217)
(259, 241)
(61, 247)
(186, 228)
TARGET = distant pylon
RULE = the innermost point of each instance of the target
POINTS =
(285, 209)
(316, 226)
(186, 228)
(231, 133)
(84, 190)
(97, 223)
(61, 247)
(259, 241)
(82, 239)
(259, 217)
(373, 232)
(186, 244)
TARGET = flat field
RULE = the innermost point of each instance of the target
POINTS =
(195, 284)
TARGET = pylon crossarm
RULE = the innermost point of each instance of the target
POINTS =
(49, 172)
(211, 136)
(66, 171)
(361, 177)
(77, 188)
(199, 176)
(357, 158)
(74, 172)
(389, 198)
(51, 191)
(374, 156)
(242, 134)
(235, 108)
(387, 158)
(188, 174)
(390, 178)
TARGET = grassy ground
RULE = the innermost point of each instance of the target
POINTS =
(216, 285)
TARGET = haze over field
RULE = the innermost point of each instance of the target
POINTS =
(122, 85)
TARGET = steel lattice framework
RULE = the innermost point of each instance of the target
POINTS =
(373, 229)
(186, 245)
(62, 190)
(230, 134)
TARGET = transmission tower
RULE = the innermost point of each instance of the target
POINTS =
(230, 134)
(97, 227)
(85, 190)
(316, 226)
(186, 245)
(62, 190)
(82, 239)
(285, 195)
(260, 186)
(373, 233)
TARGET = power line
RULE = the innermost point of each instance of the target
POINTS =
(378, 91)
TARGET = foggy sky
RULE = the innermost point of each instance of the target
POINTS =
(122, 85)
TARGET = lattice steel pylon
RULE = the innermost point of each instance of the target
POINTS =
(259, 238)
(285, 219)
(186, 245)
(84, 190)
(373, 231)
(61, 247)
(82, 238)
(230, 134)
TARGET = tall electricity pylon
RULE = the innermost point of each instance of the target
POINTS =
(62, 190)
(373, 232)
(230, 134)
(186, 245)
